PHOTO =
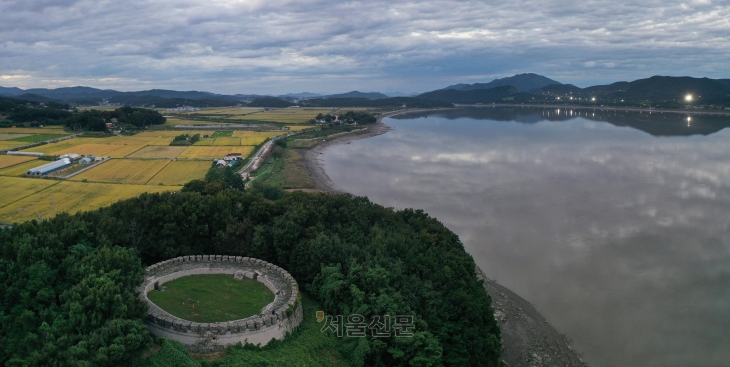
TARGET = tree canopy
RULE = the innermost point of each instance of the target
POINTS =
(70, 281)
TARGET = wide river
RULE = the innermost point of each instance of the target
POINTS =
(615, 225)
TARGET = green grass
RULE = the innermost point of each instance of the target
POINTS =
(38, 138)
(222, 133)
(287, 172)
(306, 346)
(212, 298)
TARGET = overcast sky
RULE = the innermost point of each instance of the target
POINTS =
(281, 46)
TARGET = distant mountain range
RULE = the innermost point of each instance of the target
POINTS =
(521, 82)
(658, 91)
(356, 94)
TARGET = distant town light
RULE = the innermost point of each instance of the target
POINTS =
(688, 98)
(593, 99)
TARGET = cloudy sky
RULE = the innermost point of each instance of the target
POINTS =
(281, 46)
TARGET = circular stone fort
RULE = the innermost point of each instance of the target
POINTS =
(273, 321)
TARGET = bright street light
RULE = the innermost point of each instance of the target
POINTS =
(688, 98)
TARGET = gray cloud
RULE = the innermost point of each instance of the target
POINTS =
(317, 45)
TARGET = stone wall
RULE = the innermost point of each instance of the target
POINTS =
(275, 320)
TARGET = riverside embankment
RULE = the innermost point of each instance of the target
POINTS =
(527, 338)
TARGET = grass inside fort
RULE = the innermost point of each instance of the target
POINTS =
(212, 298)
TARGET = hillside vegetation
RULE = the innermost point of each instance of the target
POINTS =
(69, 282)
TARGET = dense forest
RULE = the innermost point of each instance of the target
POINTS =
(18, 111)
(69, 282)
(95, 120)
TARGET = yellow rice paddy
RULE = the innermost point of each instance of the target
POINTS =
(11, 160)
(70, 197)
(20, 169)
(158, 152)
(123, 171)
(207, 153)
(181, 172)
(15, 188)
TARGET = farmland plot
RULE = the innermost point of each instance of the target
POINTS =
(11, 160)
(97, 150)
(159, 152)
(54, 147)
(207, 153)
(123, 171)
(266, 134)
(30, 130)
(70, 197)
(227, 141)
(181, 172)
(15, 188)
(7, 136)
(205, 141)
(20, 169)
(7, 144)
(124, 150)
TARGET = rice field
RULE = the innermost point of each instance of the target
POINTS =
(128, 140)
(211, 152)
(54, 147)
(33, 130)
(123, 150)
(123, 171)
(16, 188)
(205, 141)
(97, 150)
(20, 169)
(220, 111)
(227, 141)
(11, 160)
(38, 138)
(222, 133)
(172, 133)
(299, 127)
(286, 115)
(180, 173)
(266, 134)
(7, 144)
(158, 152)
(7, 136)
(65, 196)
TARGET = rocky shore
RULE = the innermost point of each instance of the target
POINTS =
(528, 340)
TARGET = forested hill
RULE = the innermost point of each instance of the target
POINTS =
(17, 111)
(657, 91)
(69, 282)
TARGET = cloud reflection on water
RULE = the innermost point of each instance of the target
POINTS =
(620, 238)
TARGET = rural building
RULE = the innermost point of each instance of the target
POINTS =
(232, 157)
(221, 163)
(50, 167)
(87, 160)
(70, 156)
(183, 109)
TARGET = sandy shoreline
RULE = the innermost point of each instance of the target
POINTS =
(528, 340)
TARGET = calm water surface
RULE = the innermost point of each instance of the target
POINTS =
(616, 226)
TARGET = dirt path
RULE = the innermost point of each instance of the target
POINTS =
(528, 340)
